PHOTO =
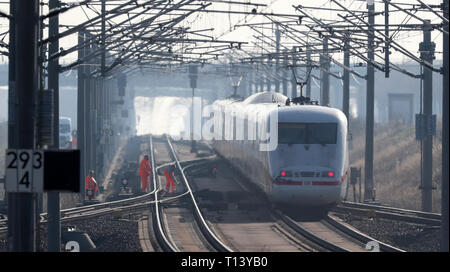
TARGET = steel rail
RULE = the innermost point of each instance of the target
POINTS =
(393, 209)
(309, 234)
(296, 228)
(161, 236)
(392, 213)
(209, 234)
(387, 215)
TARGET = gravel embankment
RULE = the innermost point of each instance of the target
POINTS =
(407, 236)
(110, 234)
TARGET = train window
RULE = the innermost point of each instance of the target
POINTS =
(291, 133)
(307, 133)
(322, 133)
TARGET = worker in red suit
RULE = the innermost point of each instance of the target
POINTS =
(145, 172)
(169, 173)
(91, 185)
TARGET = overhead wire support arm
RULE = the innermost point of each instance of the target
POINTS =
(348, 69)
(190, 40)
(161, 27)
(394, 44)
(110, 34)
(157, 34)
(86, 42)
(341, 48)
(327, 28)
(121, 42)
(60, 10)
(435, 13)
(112, 12)
(381, 68)
(410, 14)
(4, 15)
(242, 12)
(236, 2)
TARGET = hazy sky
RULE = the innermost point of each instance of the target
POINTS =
(224, 24)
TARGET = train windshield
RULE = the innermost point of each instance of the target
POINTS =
(307, 133)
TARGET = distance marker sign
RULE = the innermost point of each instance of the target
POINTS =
(37, 171)
(24, 170)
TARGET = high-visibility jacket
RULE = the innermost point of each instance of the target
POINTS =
(169, 174)
(91, 184)
(170, 184)
(144, 168)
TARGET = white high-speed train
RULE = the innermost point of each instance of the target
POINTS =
(300, 158)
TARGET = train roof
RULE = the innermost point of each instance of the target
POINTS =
(310, 113)
(266, 97)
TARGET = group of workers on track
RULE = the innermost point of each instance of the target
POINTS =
(144, 172)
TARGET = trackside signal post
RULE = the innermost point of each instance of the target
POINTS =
(445, 134)
(346, 80)
(426, 49)
(81, 122)
(369, 192)
(29, 170)
(293, 81)
(23, 87)
(193, 72)
(53, 199)
(324, 74)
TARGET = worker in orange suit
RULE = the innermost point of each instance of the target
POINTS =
(145, 172)
(91, 185)
(169, 174)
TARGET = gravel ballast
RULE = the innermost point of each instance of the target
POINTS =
(407, 236)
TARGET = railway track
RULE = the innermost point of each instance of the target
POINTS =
(151, 201)
(371, 243)
(411, 216)
(275, 227)
(240, 219)
(133, 204)
(138, 203)
(284, 232)
(319, 234)
(182, 234)
(325, 236)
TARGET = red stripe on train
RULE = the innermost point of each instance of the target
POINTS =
(325, 183)
(285, 182)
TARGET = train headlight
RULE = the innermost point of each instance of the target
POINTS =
(328, 174)
(286, 174)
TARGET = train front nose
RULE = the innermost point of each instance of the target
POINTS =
(307, 186)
